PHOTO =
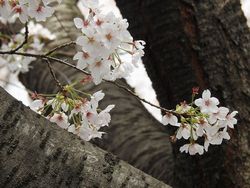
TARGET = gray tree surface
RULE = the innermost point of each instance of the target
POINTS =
(36, 153)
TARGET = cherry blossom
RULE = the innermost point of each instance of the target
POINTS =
(207, 103)
(184, 131)
(61, 120)
(104, 38)
(229, 120)
(25, 9)
(202, 118)
(192, 149)
(80, 115)
(169, 118)
(202, 127)
(36, 105)
(40, 12)
(219, 115)
(219, 136)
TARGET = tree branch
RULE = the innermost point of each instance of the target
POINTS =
(37, 153)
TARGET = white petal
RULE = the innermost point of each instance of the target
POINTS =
(206, 145)
(198, 102)
(78, 23)
(206, 94)
(173, 120)
(81, 64)
(109, 108)
(184, 148)
(80, 40)
(165, 120)
(215, 100)
(186, 133)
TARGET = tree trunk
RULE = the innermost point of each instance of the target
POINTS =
(204, 43)
(37, 153)
(134, 135)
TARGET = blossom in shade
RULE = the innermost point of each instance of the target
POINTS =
(183, 131)
(219, 115)
(207, 103)
(61, 120)
(192, 149)
(169, 118)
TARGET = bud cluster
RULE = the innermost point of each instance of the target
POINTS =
(77, 114)
(105, 37)
(202, 118)
(40, 10)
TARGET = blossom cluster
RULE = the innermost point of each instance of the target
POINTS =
(78, 115)
(105, 37)
(202, 118)
(40, 10)
(16, 64)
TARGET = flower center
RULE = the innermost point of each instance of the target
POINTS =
(98, 63)
(18, 10)
(99, 22)
(85, 55)
(60, 118)
(207, 102)
(91, 40)
(39, 9)
(85, 23)
(109, 36)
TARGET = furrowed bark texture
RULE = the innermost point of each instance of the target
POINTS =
(204, 43)
(37, 153)
(134, 135)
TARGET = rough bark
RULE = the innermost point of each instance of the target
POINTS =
(204, 43)
(37, 153)
(134, 135)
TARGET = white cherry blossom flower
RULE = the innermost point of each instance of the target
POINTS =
(83, 59)
(109, 37)
(61, 120)
(40, 12)
(184, 131)
(169, 118)
(202, 127)
(80, 23)
(95, 98)
(80, 107)
(104, 117)
(207, 103)
(192, 149)
(219, 136)
(99, 69)
(219, 115)
(229, 120)
(37, 104)
(22, 12)
(87, 133)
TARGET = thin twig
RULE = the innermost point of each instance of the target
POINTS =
(59, 47)
(45, 57)
(25, 41)
(53, 74)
